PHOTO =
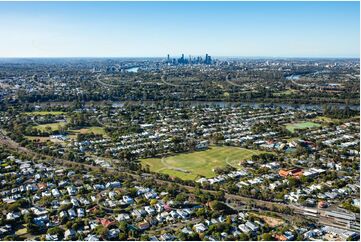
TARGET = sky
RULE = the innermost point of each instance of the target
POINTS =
(147, 29)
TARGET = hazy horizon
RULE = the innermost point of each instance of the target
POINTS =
(155, 29)
(178, 56)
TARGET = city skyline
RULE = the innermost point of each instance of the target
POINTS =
(145, 29)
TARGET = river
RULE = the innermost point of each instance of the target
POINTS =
(133, 69)
(293, 77)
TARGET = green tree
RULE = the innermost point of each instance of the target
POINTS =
(243, 237)
(56, 230)
(267, 237)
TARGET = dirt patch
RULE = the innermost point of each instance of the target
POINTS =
(271, 221)
(40, 138)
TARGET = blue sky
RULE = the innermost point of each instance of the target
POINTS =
(123, 29)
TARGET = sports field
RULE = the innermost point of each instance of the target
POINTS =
(53, 126)
(301, 125)
(190, 166)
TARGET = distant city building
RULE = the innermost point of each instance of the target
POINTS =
(195, 60)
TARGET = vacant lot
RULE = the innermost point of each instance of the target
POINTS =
(301, 125)
(271, 221)
(190, 166)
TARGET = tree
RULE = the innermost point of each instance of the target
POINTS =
(228, 220)
(56, 230)
(200, 212)
(243, 237)
(11, 238)
(101, 231)
(153, 201)
(123, 226)
(144, 237)
(180, 197)
(28, 218)
(217, 206)
(182, 236)
(33, 228)
(123, 236)
(69, 224)
(267, 237)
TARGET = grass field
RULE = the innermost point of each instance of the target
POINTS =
(45, 113)
(73, 133)
(95, 130)
(284, 93)
(324, 119)
(53, 126)
(301, 125)
(22, 231)
(189, 166)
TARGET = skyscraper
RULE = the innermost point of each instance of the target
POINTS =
(208, 60)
